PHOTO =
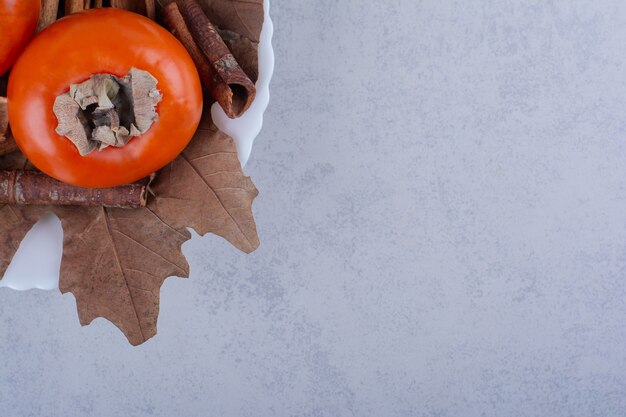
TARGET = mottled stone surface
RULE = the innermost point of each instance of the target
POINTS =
(443, 226)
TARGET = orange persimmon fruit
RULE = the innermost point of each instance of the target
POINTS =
(102, 41)
(18, 21)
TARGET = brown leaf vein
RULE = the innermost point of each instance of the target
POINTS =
(220, 201)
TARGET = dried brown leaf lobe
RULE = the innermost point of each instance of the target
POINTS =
(115, 261)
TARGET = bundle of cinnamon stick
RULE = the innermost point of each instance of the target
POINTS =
(52, 9)
(220, 74)
(219, 71)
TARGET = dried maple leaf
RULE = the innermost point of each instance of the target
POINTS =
(205, 188)
(15, 221)
(242, 16)
(115, 261)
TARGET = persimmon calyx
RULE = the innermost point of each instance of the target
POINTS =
(106, 110)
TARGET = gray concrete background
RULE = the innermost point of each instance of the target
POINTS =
(443, 225)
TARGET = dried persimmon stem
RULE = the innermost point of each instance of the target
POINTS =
(106, 110)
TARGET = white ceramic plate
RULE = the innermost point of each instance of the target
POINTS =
(44, 242)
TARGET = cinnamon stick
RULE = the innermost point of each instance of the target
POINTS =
(4, 118)
(75, 6)
(150, 9)
(208, 39)
(210, 80)
(36, 188)
(47, 14)
(137, 6)
(4, 80)
(7, 145)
